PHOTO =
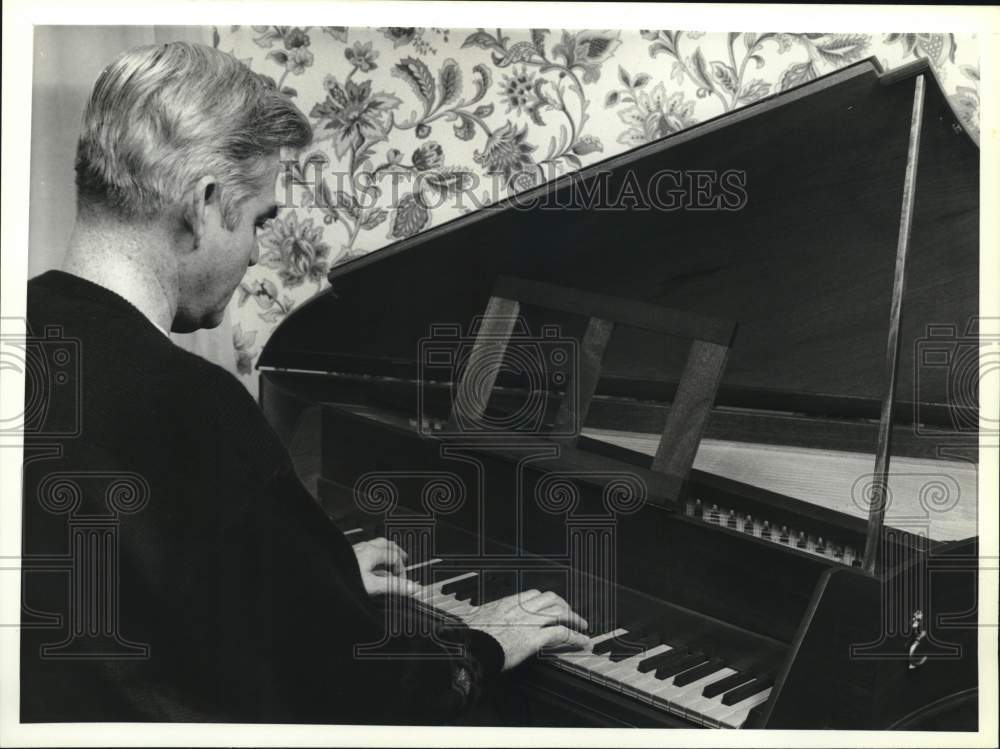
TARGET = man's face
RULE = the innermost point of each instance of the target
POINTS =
(211, 273)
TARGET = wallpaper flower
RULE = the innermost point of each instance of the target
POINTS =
(414, 126)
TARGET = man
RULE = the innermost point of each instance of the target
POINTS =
(204, 583)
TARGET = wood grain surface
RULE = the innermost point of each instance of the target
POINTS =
(837, 480)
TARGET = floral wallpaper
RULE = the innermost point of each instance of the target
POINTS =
(414, 126)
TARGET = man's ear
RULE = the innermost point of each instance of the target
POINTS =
(202, 207)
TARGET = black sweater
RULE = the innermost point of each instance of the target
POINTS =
(237, 599)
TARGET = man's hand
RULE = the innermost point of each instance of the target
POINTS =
(381, 562)
(524, 623)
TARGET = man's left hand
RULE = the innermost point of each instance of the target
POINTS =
(382, 567)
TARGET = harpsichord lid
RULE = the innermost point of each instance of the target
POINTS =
(802, 257)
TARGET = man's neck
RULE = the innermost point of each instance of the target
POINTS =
(135, 263)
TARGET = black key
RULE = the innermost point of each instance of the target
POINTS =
(605, 646)
(467, 588)
(630, 639)
(630, 646)
(735, 696)
(679, 666)
(455, 585)
(698, 672)
(627, 650)
(724, 685)
(478, 594)
(423, 575)
(626, 645)
(655, 661)
(615, 644)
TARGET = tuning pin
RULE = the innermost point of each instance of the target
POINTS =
(697, 509)
(731, 520)
(801, 543)
(784, 534)
(748, 524)
(689, 508)
(765, 532)
(838, 552)
(820, 546)
(714, 515)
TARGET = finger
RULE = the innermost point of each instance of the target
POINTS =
(392, 584)
(544, 600)
(397, 549)
(388, 554)
(402, 586)
(565, 616)
(517, 600)
(561, 636)
(400, 556)
(384, 542)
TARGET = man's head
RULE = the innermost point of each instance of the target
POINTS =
(187, 138)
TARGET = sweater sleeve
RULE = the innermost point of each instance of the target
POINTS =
(351, 657)
(331, 652)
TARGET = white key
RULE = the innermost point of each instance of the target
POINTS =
(643, 686)
(593, 664)
(419, 565)
(741, 712)
(705, 705)
(718, 711)
(691, 694)
(582, 661)
(630, 666)
(636, 684)
(444, 601)
(668, 690)
(451, 605)
(605, 665)
(437, 585)
(601, 670)
(431, 592)
(624, 674)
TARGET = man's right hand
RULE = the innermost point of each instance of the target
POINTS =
(524, 623)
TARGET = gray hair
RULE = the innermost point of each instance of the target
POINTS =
(162, 116)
